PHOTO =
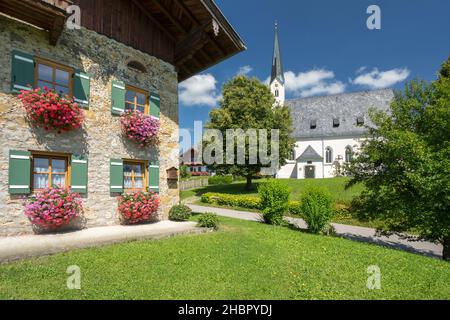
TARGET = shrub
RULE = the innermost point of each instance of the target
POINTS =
(137, 207)
(274, 201)
(295, 208)
(232, 200)
(209, 220)
(140, 128)
(53, 208)
(180, 213)
(184, 173)
(47, 109)
(218, 180)
(317, 209)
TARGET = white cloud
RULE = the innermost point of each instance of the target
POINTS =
(376, 79)
(312, 82)
(245, 70)
(199, 90)
(361, 69)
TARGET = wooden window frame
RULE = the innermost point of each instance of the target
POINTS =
(50, 156)
(134, 103)
(143, 163)
(54, 66)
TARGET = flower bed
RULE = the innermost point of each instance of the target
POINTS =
(50, 111)
(53, 208)
(138, 207)
(200, 174)
(140, 128)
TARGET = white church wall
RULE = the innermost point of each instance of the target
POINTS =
(322, 169)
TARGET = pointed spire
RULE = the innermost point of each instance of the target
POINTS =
(277, 65)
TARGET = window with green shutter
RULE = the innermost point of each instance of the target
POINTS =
(117, 97)
(153, 176)
(155, 105)
(79, 174)
(81, 88)
(19, 172)
(116, 176)
(22, 73)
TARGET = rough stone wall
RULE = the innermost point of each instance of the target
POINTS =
(101, 140)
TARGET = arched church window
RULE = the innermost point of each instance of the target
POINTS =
(348, 154)
(277, 93)
(328, 155)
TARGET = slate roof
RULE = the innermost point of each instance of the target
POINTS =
(310, 155)
(342, 109)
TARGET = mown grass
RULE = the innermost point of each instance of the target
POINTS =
(244, 260)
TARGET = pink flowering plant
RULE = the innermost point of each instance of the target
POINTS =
(138, 207)
(140, 128)
(49, 110)
(53, 208)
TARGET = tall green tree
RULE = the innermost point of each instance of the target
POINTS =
(247, 103)
(405, 162)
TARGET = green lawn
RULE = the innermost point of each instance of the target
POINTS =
(336, 186)
(244, 260)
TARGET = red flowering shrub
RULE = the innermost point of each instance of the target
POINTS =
(53, 208)
(138, 207)
(200, 174)
(47, 109)
(139, 127)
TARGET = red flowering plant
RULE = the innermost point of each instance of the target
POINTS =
(200, 174)
(140, 128)
(53, 208)
(138, 207)
(48, 109)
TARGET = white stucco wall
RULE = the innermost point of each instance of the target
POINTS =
(322, 169)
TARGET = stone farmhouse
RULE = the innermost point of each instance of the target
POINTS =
(126, 55)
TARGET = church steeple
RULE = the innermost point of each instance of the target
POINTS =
(277, 65)
(277, 77)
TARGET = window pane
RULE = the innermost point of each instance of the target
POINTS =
(141, 98)
(141, 109)
(129, 106)
(62, 77)
(137, 170)
(40, 181)
(45, 73)
(58, 180)
(127, 183)
(58, 165)
(40, 165)
(42, 84)
(129, 96)
(62, 90)
(138, 183)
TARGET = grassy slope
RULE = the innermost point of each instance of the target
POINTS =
(245, 260)
(336, 186)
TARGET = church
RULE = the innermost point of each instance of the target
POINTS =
(327, 129)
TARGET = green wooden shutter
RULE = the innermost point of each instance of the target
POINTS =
(155, 105)
(116, 176)
(79, 174)
(22, 73)
(81, 88)
(153, 176)
(117, 97)
(19, 172)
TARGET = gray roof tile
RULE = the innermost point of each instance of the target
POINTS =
(345, 107)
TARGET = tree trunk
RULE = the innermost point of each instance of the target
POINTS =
(248, 186)
(446, 251)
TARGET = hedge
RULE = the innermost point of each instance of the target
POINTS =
(214, 180)
(243, 201)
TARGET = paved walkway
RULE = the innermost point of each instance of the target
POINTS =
(346, 231)
(19, 247)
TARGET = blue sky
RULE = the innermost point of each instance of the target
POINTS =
(326, 48)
